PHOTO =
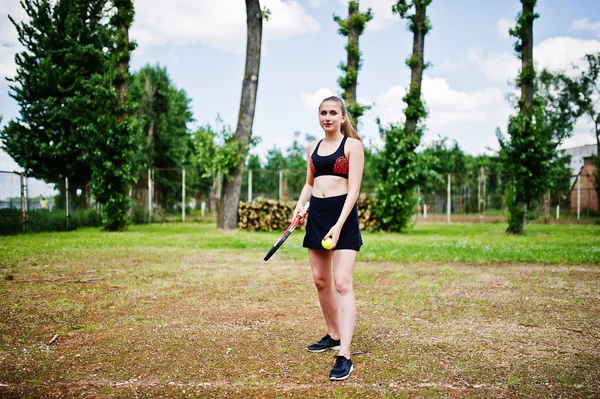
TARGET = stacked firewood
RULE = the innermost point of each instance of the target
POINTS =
(269, 215)
(367, 218)
(265, 215)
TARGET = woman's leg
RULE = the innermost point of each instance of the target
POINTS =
(343, 268)
(320, 263)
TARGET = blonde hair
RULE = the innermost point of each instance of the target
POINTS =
(348, 129)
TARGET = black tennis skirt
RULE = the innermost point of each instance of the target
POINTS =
(323, 213)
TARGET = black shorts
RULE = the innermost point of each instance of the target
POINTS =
(323, 213)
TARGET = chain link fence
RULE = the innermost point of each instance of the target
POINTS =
(175, 194)
(470, 198)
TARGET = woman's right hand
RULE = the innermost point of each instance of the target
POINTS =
(299, 210)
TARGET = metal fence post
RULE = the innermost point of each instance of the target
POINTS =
(280, 184)
(449, 201)
(149, 195)
(578, 196)
(484, 196)
(67, 201)
(480, 195)
(183, 195)
(418, 201)
(23, 204)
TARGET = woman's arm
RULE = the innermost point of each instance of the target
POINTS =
(356, 158)
(308, 186)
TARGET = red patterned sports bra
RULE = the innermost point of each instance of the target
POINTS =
(335, 164)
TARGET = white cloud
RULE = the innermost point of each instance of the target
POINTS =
(502, 27)
(312, 101)
(586, 24)
(559, 53)
(8, 33)
(9, 43)
(219, 24)
(7, 164)
(555, 54)
(502, 67)
(470, 118)
(8, 68)
(389, 106)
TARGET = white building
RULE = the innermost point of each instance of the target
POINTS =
(578, 154)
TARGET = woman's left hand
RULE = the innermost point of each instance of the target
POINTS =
(334, 233)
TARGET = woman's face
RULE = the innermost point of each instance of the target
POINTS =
(331, 117)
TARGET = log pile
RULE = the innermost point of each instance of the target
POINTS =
(270, 215)
(265, 215)
(367, 218)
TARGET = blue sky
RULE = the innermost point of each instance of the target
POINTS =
(202, 44)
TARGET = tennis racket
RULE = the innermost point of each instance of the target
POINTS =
(295, 223)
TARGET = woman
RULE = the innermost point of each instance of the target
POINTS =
(335, 168)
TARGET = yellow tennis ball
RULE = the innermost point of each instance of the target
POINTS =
(327, 243)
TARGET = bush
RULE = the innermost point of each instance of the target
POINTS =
(10, 221)
(40, 220)
(139, 215)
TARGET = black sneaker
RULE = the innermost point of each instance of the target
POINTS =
(325, 343)
(342, 369)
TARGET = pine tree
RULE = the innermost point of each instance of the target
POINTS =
(65, 53)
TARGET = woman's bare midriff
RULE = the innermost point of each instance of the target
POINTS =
(329, 186)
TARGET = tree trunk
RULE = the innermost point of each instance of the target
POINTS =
(123, 68)
(416, 62)
(151, 129)
(353, 56)
(527, 82)
(527, 71)
(232, 185)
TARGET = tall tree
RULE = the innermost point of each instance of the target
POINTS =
(590, 84)
(419, 24)
(352, 27)
(399, 167)
(214, 153)
(163, 112)
(529, 157)
(520, 127)
(116, 151)
(590, 89)
(232, 183)
(447, 159)
(55, 83)
(150, 88)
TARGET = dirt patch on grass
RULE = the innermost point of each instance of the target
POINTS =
(181, 322)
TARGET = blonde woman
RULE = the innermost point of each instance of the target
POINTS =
(334, 174)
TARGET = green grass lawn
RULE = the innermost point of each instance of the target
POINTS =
(186, 310)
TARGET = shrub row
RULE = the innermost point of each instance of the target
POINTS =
(42, 220)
